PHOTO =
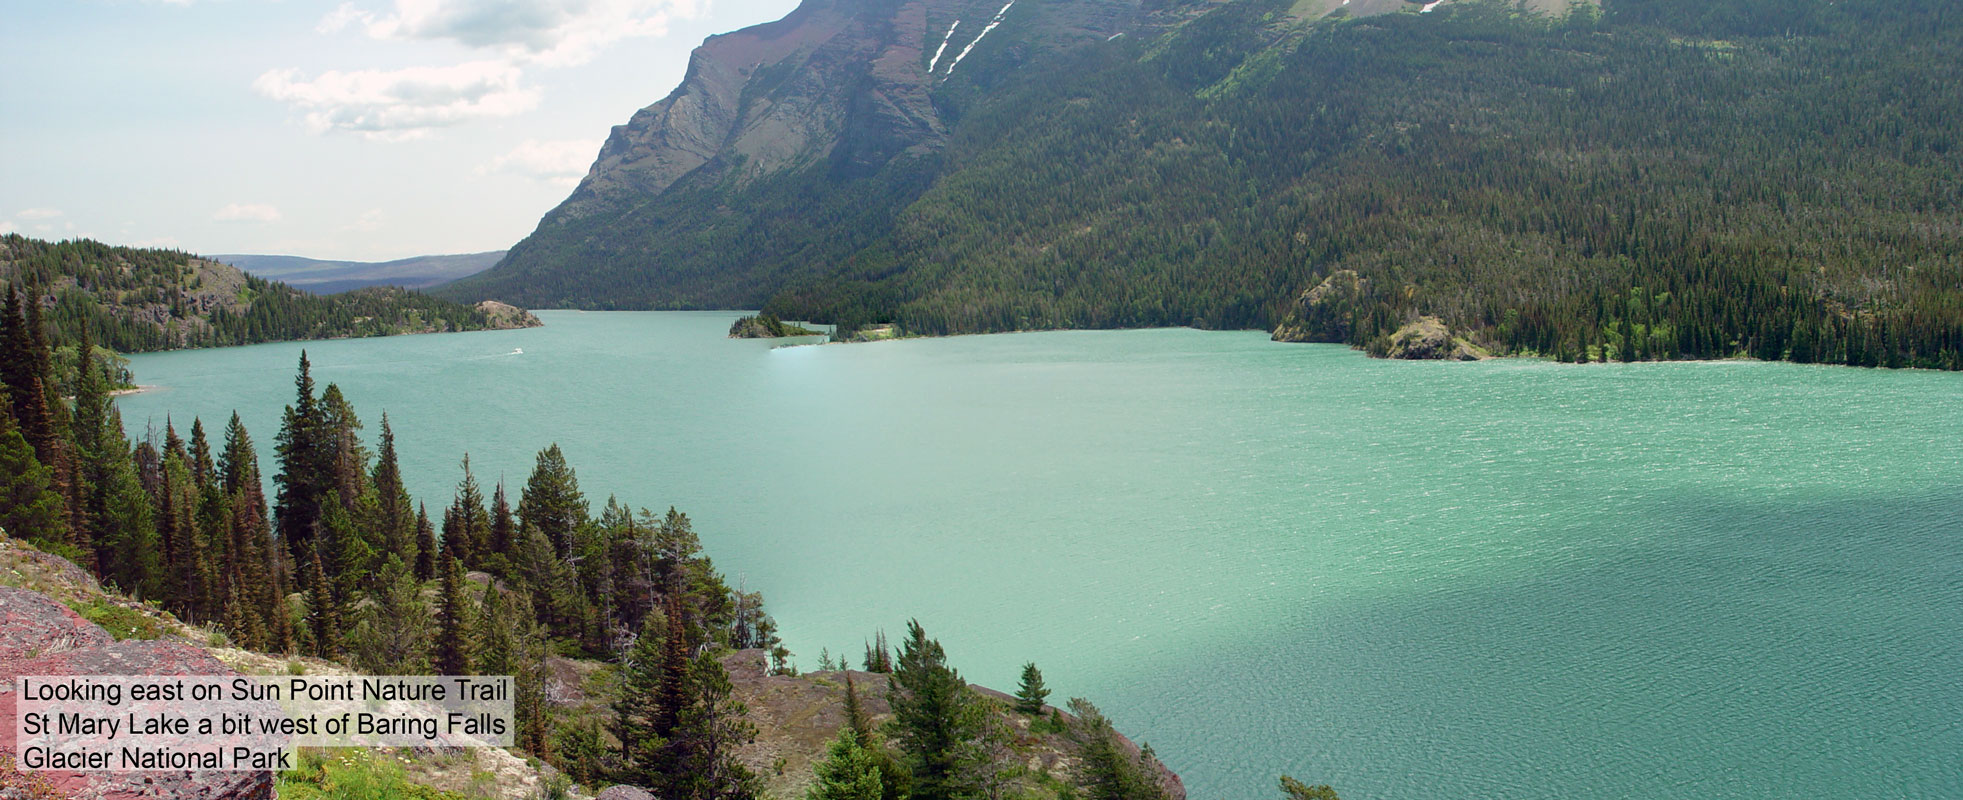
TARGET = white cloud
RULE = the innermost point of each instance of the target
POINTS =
(6, 226)
(553, 32)
(161, 242)
(246, 212)
(403, 103)
(514, 35)
(341, 17)
(561, 162)
(40, 213)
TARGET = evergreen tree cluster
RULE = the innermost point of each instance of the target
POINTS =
(677, 721)
(948, 742)
(1112, 771)
(177, 521)
(133, 300)
(343, 565)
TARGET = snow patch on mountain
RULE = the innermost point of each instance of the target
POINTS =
(984, 34)
(943, 48)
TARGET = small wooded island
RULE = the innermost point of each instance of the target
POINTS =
(766, 326)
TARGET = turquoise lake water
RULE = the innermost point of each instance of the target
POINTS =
(1506, 579)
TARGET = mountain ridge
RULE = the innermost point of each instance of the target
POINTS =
(836, 91)
(331, 276)
(1661, 179)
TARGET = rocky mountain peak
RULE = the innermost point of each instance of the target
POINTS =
(839, 82)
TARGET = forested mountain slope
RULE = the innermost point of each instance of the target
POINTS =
(134, 299)
(1663, 179)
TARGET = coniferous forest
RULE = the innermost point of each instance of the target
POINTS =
(336, 563)
(1662, 182)
(1656, 179)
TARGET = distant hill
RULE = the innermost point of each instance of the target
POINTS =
(332, 277)
(134, 299)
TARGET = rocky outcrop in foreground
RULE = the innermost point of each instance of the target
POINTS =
(796, 715)
(39, 636)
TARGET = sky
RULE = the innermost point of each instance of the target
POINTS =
(336, 129)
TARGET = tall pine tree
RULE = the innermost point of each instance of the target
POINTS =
(451, 655)
(306, 466)
(1030, 695)
(1109, 770)
(551, 503)
(938, 721)
(425, 553)
(710, 729)
(466, 524)
(29, 507)
(390, 635)
(642, 718)
(396, 517)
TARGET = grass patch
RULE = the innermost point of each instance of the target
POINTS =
(346, 774)
(120, 622)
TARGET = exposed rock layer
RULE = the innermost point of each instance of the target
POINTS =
(39, 636)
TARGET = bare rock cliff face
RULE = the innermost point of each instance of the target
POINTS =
(39, 636)
(839, 80)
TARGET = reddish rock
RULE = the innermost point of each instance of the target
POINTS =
(32, 625)
(39, 636)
